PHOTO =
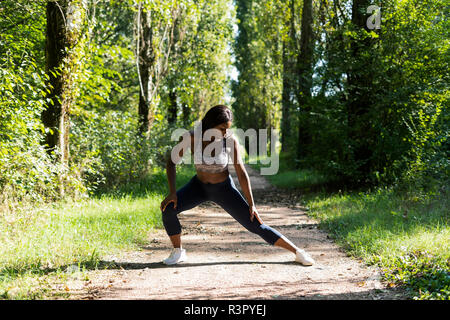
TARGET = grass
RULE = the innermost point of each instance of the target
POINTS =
(39, 245)
(407, 237)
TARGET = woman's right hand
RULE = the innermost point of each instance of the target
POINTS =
(170, 198)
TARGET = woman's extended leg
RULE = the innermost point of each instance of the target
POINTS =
(232, 201)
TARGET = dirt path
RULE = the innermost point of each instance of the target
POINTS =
(225, 261)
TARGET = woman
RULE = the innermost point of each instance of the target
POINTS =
(213, 182)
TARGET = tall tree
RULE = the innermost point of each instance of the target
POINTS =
(64, 25)
(305, 72)
(154, 44)
(289, 77)
(178, 33)
(359, 74)
(146, 56)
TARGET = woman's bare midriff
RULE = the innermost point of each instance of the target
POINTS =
(207, 177)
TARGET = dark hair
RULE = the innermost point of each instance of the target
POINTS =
(216, 115)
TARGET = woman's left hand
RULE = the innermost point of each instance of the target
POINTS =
(254, 213)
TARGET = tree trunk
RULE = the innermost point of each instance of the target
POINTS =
(146, 59)
(153, 59)
(172, 107)
(304, 71)
(63, 31)
(55, 52)
(289, 87)
(186, 112)
(176, 42)
(359, 83)
(286, 101)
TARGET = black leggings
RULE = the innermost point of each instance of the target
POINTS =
(226, 195)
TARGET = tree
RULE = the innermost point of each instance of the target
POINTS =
(200, 56)
(289, 76)
(63, 32)
(178, 31)
(359, 75)
(154, 44)
(304, 74)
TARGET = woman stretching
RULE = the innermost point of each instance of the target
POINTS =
(213, 182)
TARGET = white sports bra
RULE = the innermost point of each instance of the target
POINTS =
(214, 164)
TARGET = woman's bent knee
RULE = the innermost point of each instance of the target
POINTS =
(169, 210)
(170, 220)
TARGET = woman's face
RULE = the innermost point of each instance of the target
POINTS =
(223, 127)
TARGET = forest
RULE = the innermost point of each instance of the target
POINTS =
(91, 90)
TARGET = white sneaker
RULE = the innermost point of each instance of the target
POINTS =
(302, 257)
(177, 255)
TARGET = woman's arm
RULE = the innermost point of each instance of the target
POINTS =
(183, 142)
(172, 197)
(171, 175)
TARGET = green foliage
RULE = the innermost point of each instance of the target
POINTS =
(405, 235)
(407, 238)
(258, 59)
(404, 92)
(426, 276)
(107, 149)
(40, 246)
(106, 146)
(27, 172)
(200, 59)
(401, 98)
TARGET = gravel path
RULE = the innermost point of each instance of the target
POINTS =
(225, 261)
